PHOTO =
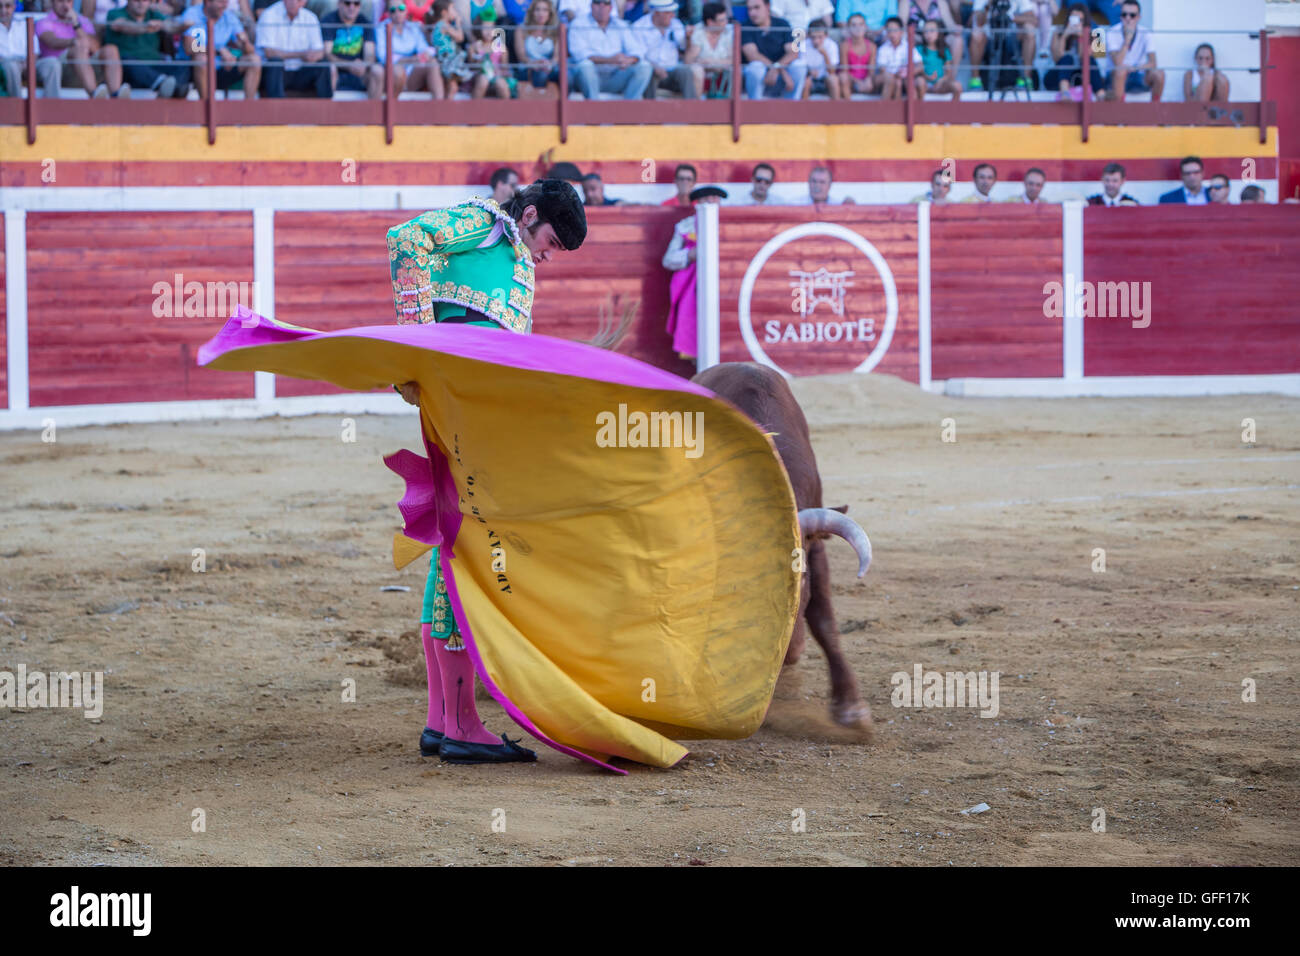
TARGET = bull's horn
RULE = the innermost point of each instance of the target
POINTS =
(814, 520)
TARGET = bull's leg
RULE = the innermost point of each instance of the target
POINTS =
(797, 640)
(847, 705)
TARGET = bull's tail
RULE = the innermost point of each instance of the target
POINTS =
(817, 520)
(611, 330)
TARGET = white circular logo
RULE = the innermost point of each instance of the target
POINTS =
(806, 294)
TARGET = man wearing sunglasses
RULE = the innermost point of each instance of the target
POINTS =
(760, 180)
(350, 49)
(1220, 190)
(473, 264)
(1129, 46)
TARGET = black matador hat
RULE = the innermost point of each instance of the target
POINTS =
(704, 192)
(559, 204)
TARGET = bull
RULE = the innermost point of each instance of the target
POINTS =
(762, 394)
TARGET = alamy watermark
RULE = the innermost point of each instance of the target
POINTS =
(1099, 300)
(951, 689)
(77, 689)
(638, 429)
(179, 299)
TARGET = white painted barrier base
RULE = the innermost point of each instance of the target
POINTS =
(76, 416)
(1120, 386)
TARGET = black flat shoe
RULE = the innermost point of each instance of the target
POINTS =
(431, 742)
(462, 751)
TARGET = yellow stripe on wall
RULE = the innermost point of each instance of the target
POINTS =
(523, 144)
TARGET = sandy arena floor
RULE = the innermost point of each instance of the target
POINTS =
(1119, 690)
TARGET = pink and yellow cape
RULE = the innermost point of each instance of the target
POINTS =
(615, 595)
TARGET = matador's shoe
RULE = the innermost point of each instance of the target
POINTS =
(462, 751)
(431, 742)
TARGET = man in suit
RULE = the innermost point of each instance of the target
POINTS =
(1191, 192)
(1112, 188)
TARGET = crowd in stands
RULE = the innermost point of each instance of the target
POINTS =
(1195, 191)
(630, 49)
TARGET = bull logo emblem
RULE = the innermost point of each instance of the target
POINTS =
(809, 288)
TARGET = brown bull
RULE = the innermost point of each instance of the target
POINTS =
(763, 395)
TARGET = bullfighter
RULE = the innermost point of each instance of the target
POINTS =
(473, 263)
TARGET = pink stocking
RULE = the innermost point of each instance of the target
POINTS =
(462, 721)
(434, 720)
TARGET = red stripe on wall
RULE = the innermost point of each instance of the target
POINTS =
(1222, 290)
(989, 263)
(334, 173)
(93, 290)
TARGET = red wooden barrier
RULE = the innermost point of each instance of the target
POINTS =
(92, 293)
(988, 265)
(1222, 290)
(818, 304)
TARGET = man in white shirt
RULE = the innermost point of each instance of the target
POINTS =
(1129, 46)
(293, 50)
(985, 177)
(800, 13)
(13, 49)
(606, 56)
(819, 189)
(761, 180)
(662, 39)
(1035, 180)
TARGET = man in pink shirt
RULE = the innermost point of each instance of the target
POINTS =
(67, 39)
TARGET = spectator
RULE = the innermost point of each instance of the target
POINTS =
(760, 180)
(593, 192)
(680, 260)
(1067, 76)
(535, 50)
(489, 58)
(1035, 180)
(938, 73)
(1253, 194)
(1220, 190)
(821, 58)
(1024, 13)
(684, 179)
(709, 55)
(13, 49)
(415, 66)
(802, 14)
(67, 43)
(772, 65)
(467, 12)
(921, 11)
(605, 54)
(985, 177)
(857, 58)
(940, 186)
(1191, 192)
(130, 32)
(1205, 83)
(568, 172)
(293, 51)
(1112, 186)
(504, 183)
(662, 39)
(891, 62)
(819, 189)
(1131, 50)
(238, 59)
(875, 13)
(350, 48)
(573, 10)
